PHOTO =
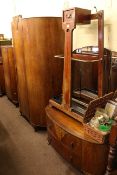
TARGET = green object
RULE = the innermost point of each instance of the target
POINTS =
(106, 127)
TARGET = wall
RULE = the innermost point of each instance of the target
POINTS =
(39, 8)
(84, 35)
(27, 8)
(6, 13)
(87, 35)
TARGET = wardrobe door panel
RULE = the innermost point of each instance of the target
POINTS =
(18, 44)
(13, 74)
(6, 72)
(43, 40)
(2, 82)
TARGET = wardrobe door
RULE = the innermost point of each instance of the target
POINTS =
(6, 72)
(10, 73)
(2, 82)
(43, 40)
(13, 74)
(18, 44)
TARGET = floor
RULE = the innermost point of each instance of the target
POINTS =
(24, 151)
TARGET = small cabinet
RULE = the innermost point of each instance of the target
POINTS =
(67, 136)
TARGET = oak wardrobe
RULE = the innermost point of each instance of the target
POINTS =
(36, 40)
(10, 73)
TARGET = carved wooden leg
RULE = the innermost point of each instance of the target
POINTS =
(111, 157)
(113, 149)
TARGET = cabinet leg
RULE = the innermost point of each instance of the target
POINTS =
(49, 140)
(36, 128)
(39, 128)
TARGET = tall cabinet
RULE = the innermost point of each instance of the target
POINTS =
(36, 40)
(10, 73)
(18, 45)
(2, 80)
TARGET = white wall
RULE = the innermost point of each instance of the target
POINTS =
(29, 8)
(87, 35)
(6, 13)
(84, 35)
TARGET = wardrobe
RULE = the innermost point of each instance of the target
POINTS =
(2, 80)
(36, 40)
(10, 73)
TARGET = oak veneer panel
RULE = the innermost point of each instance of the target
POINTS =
(43, 39)
(18, 44)
(10, 73)
(81, 80)
(2, 81)
(114, 78)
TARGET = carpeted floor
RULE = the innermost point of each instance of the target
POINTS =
(23, 151)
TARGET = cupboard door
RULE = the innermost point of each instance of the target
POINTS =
(6, 72)
(94, 158)
(41, 41)
(18, 44)
(13, 74)
(2, 81)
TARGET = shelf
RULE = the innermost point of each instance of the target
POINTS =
(79, 102)
(85, 94)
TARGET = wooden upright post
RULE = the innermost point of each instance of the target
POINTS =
(101, 52)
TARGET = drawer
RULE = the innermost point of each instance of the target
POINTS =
(75, 144)
(65, 151)
(61, 149)
(55, 129)
(72, 142)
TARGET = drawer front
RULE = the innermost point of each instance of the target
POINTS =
(75, 144)
(66, 144)
(55, 129)
(61, 149)
(65, 151)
